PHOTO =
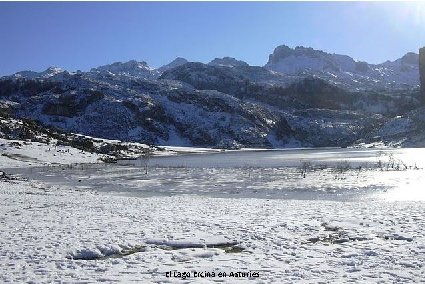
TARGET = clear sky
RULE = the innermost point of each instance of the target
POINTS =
(81, 35)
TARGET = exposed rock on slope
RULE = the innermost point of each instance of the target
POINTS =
(406, 131)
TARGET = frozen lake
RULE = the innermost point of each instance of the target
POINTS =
(288, 158)
(328, 174)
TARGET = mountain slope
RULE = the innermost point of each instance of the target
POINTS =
(170, 112)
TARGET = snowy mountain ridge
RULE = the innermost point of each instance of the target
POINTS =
(225, 103)
(287, 65)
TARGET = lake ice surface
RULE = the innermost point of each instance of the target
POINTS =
(330, 174)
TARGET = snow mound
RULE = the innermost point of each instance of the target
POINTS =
(104, 251)
(211, 242)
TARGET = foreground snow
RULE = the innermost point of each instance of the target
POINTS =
(50, 234)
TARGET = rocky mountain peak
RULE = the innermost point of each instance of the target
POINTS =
(299, 59)
(281, 52)
(124, 66)
(228, 62)
(51, 71)
(410, 58)
(139, 69)
(173, 64)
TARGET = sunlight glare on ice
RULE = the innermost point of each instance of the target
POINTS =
(409, 189)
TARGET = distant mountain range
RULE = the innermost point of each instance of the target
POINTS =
(285, 65)
(301, 97)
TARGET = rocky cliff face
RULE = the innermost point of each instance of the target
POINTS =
(344, 71)
(422, 72)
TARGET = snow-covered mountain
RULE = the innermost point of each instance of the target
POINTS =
(344, 71)
(163, 111)
(302, 97)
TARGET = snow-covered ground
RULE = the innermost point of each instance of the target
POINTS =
(284, 216)
(17, 153)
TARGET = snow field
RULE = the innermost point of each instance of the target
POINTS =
(46, 229)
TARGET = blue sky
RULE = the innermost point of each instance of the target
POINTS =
(81, 35)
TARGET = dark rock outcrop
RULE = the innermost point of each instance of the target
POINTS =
(422, 73)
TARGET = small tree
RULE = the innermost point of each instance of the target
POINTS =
(305, 167)
(145, 157)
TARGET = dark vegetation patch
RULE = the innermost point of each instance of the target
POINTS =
(26, 87)
(70, 105)
(149, 115)
(6, 177)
